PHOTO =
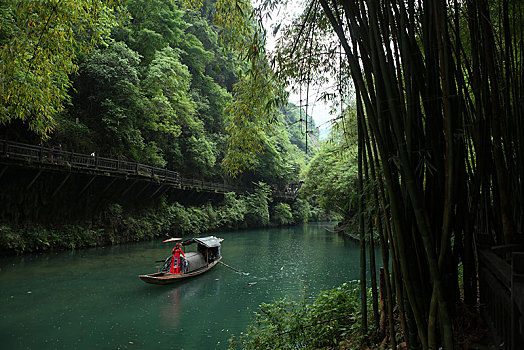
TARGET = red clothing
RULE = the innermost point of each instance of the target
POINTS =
(176, 262)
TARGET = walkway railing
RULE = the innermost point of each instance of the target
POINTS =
(59, 158)
(502, 294)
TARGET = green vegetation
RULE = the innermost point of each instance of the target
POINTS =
(329, 321)
(145, 81)
(39, 43)
(331, 176)
(116, 224)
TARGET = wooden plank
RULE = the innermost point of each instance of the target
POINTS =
(109, 185)
(127, 190)
(3, 170)
(517, 296)
(158, 189)
(507, 248)
(517, 262)
(142, 190)
(34, 179)
(80, 163)
(498, 267)
(87, 185)
(498, 304)
(61, 184)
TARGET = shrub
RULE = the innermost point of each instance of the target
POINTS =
(282, 214)
(332, 319)
(301, 211)
(230, 214)
(257, 209)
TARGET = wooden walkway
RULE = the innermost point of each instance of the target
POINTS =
(502, 294)
(41, 157)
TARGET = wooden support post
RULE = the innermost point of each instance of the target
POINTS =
(158, 189)
(127, 190)
(34, 179)
(142, 190)
(109, 184)
(61, 184)
(3, 171)
(199, 195)
(517, 300)
(167, 188)
(87, 185)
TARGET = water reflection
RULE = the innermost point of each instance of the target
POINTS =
(171, 312)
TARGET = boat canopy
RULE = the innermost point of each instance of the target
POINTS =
(209, 242)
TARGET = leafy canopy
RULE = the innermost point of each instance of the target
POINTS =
(39, 41)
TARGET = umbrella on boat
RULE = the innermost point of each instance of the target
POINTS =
(172, 240)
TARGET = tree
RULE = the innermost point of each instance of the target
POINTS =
(301, 211)
(171, 110)
(281, 214)
(331, 178)
(108, 101)
(257, 206)
(39, 42)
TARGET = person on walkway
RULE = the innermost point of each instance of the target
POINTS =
(50, 155)
(57, 152)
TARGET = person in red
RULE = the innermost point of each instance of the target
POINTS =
(176, 262)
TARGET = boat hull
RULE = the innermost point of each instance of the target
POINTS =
(168, 278)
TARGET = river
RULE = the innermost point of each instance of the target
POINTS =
(93, 299)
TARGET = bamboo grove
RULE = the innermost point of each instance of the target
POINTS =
(438, 91)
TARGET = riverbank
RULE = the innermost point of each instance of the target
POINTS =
(117, 224)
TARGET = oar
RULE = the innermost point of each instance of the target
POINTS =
(232, 268)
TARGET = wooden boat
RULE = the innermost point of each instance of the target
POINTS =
(180, 265)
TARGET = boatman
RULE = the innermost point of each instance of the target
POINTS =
(176, 263)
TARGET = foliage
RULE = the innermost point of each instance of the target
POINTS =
(256, 96)
(230, 214)
(281, 214)
(301, 211)
(33, 238)
(331, 175)
(294, 120)
(257, 208)
(107, 103)
(39, 42)
(149, 81)
(116, 223)
(329, 321)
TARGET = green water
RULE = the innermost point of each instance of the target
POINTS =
(93, 299)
